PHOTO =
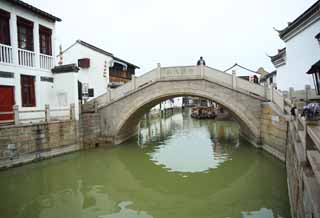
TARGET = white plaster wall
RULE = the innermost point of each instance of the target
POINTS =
(44, 90)
(303, 51)
(94, 74)
(67, 84)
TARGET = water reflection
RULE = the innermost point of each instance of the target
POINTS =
(180, 168)
(188, 146)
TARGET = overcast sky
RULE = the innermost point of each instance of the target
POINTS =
(177, 32)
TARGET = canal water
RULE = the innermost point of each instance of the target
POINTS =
(175, 167)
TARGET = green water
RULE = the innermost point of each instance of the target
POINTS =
(175, 167)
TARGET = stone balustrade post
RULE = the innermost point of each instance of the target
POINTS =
(308, 93)
(95, 105)
(234, 79)
(291, 93)
(268, 92)
(72, 112)
(159, 70)
(133, 80)
(16, 114)
(47, 112)
(109, 94)
(201, 71)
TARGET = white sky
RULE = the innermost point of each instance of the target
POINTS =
(177, 32)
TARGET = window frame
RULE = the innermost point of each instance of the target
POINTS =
(26, 37)
(28, 92)
(5, 37)
(45, 40)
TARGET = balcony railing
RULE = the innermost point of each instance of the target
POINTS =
(26, 58)
(46, 61)
(6, 54)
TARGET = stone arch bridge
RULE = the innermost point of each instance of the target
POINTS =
(121, 109)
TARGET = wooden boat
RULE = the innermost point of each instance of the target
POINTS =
(203, 113)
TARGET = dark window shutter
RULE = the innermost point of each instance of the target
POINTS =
(91, 92)
(84, 63)
(28, 91)
(79, 90)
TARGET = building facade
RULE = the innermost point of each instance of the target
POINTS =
(301, 52)
(98, 69)
(26, 57)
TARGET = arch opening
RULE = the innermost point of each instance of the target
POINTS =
(128, 127)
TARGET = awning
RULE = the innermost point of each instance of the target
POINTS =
(314, 68)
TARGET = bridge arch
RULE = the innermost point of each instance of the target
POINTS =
(121, 117)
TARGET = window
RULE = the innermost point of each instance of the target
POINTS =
(45, 40)
(25, 34)
(4, 27)
(28, 91)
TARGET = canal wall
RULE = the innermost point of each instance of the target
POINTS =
(274, 128)
(20, 144)
(303, 172)
(27, 142)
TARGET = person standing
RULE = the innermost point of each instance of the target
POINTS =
(201, 61)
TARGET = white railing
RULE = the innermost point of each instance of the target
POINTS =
(46, 61)
(46, 114)
(189, 72)
(6, 54)
(26, 58)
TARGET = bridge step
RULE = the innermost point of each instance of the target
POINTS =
(300, 151)
(313, 190)
(314, 133)
(302, 137)
(314, 160)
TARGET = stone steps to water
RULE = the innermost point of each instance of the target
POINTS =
(314, 160)
(314, 133)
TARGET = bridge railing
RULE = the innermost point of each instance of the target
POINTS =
(218, 76)
(185, 73)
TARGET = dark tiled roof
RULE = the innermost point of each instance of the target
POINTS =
(94, 48)
(104, 52)
(34, 9)
(315, 8)
(68, 68)
(314, 68)
(281, 53)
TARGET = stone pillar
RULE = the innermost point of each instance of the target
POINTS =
(159, 71)
(16, 114)
(291, 92)
(234, 80)
(109, 94)
(133, 81)
(47, 112)
(95, 105)
(201, 71)
(72, 112)
(266, 91)
(308, 92)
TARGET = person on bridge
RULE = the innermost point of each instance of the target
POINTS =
(201, 62)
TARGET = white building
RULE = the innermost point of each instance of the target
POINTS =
(28, 78)
(26, 57)
(302, 50)
(97, 68)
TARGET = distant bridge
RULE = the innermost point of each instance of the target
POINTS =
(121, 109)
